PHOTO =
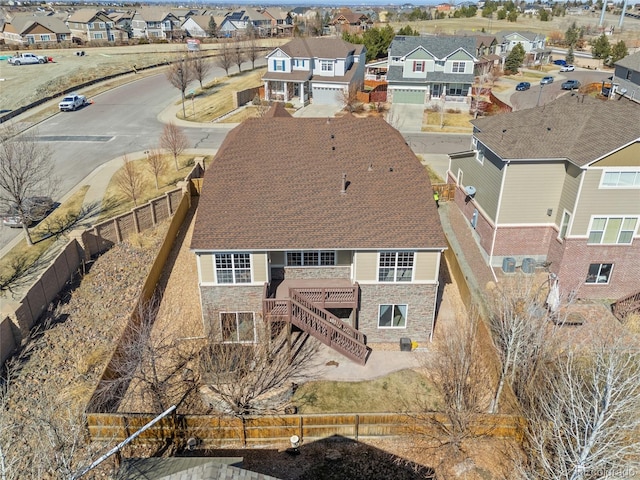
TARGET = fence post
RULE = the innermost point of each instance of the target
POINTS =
(357, 426)
(300, 425)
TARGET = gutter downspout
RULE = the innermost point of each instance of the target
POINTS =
(495, 230)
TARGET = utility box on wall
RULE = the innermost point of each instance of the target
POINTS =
(529, 265)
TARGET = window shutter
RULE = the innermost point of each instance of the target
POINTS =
(423, 64)
(414, 66)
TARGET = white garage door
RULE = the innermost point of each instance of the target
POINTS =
(326, 95)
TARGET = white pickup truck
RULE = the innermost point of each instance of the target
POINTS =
(72, 102)
(26, 59)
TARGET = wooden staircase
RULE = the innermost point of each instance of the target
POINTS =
(626, 306)
(306, 309)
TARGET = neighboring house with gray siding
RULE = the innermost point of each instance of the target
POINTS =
(322, 69)
(558, 184)
(626, 79)
(344, 238)
(431, 69)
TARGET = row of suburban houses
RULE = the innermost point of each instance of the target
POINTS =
(89, 25)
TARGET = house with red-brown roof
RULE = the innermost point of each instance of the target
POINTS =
(346, 20)
(320, 68)
(333, 231)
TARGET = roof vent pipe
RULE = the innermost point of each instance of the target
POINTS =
(344, 183)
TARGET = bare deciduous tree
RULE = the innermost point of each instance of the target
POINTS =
(26, 170)
(129, 180)
(461, 377)
(174, 140)
(349, 99)
(253, 51)
(180, 75)
(153, 368)
(201, 67)
(254, 378)
(156, 165)
(583, 413)
(522, 332)
(238, 55)
(42, 435)
(225, 56)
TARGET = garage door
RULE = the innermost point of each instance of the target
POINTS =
(415, 97)
(326, 96)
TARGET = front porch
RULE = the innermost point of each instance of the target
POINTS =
(296, 92)
(313, 305)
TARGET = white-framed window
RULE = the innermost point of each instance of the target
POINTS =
(418, 66)
(311, 258)
(237, 327)
(564, 225)
(440, 63)
(100, 24)
(326, 65)
(459, 177)
(63, 36)
(90, 25)
(474, 142)
(233, 267)
(299, 63)
(480, 154)
(612, 230)
(45, 37)
(97, 36)
(455, 89)
(395, 266)
(392, 316)
(620, 179)
(458, 67)
(395, 59)
(599, 273)
(278, 65)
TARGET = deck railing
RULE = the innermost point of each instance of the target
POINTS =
(629, 304)
(308, 314)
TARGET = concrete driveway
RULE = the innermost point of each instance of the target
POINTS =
(406, 118)
(318, 111)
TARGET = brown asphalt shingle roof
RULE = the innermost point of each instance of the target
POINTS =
(320, 48)
(276, 184)
(576, 127)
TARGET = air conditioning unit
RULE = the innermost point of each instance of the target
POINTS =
(528, 265)
(509, 265)
(470, 190)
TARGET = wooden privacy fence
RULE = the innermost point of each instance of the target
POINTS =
(226, 431)
(446, 191)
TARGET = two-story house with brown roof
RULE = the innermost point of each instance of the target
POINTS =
(155, 22)
(30, 29)
(322, 69)
(89, 25)
(334, 231)
(626, 80)
(431, 69)
(558, 184)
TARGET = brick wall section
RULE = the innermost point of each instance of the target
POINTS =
(323, 272)
(229, 299)
(624, 279)
(420, 301)
(521, 242)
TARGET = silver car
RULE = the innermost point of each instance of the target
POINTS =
(35, 209)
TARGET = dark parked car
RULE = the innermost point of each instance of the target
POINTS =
(570, 85)
(35, 208)
(546, 80)
(523, 86)
(560, 62)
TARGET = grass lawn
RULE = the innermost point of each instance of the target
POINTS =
(450, 122)
(24, 254)
(216, 98)
(405, 390)
(115, 202)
